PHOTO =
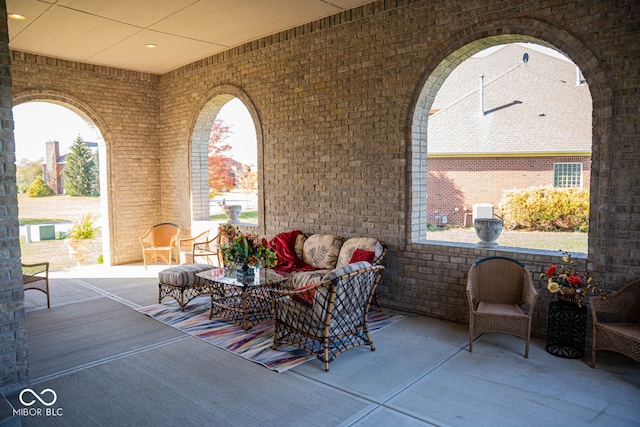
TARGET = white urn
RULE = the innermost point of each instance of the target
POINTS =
(488, 231)
(233, 213)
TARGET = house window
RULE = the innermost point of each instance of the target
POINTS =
(567, 175)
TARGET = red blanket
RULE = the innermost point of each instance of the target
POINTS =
(284, 245)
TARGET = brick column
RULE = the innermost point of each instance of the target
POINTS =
(13, 336)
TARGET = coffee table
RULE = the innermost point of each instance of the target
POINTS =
(245, 301)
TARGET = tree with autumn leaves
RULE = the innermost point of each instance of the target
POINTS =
(219, 163)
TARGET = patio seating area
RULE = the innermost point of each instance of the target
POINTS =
(110, 365)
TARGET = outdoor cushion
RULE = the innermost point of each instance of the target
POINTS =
(184, 275)
(321, 250)
(300, 239)
(364, 243)
(322, 293)
(302, 278)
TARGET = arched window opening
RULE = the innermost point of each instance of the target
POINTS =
(225, 162)
(51, 137)
(234, 171)
(508, 128)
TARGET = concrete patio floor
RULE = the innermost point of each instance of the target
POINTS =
(110, 365)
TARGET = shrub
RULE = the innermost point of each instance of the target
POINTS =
(39, 188)
(546, 209)
(27, 171)
(83, 228)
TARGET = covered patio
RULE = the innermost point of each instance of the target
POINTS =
(340, 104)
(110, 365)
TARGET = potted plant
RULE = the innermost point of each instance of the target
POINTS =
(245, 251)
(80, 235)
(569, 283)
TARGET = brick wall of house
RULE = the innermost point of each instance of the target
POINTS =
(456, 184)
(341, 108)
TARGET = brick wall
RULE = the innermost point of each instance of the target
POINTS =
(341, 110)
(460, 183)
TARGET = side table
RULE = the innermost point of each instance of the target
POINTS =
(566, 330)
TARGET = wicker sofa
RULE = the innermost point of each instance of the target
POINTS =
(310, 257)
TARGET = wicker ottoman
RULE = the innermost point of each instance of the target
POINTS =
(182, 284)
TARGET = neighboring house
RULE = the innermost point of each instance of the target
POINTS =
(54, 163)
(526, 123)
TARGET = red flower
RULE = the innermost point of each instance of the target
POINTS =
(551, 271)
(574, 281)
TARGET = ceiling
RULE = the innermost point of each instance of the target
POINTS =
(114, 32)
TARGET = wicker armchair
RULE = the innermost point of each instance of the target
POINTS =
(159, 243)
(209, 250)
(621, 331)
(191, 250)
(497, 288)
(328, 318)
(36, 276)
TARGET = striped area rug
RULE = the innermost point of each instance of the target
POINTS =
(254, 345)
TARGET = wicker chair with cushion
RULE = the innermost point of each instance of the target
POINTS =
(328, 318)
(616, 322)
(159, 243)
(497, 289)
(36, 276)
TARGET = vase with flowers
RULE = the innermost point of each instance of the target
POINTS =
(243, 252)
(569, 283)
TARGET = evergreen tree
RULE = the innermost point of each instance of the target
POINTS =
(95, 184)
(80, 170)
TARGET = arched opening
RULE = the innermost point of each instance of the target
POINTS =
(440, 68)
(46, 126)
(509, 136)
(234, 110)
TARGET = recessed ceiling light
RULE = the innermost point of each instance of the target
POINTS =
(151, 45)
(16, 16)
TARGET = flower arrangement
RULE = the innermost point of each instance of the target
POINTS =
(240, 249)
(568, 283)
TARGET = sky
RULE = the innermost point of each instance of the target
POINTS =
(35, 123)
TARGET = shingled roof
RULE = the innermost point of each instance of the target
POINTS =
(535, 107)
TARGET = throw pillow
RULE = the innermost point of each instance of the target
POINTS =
(362, 255)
